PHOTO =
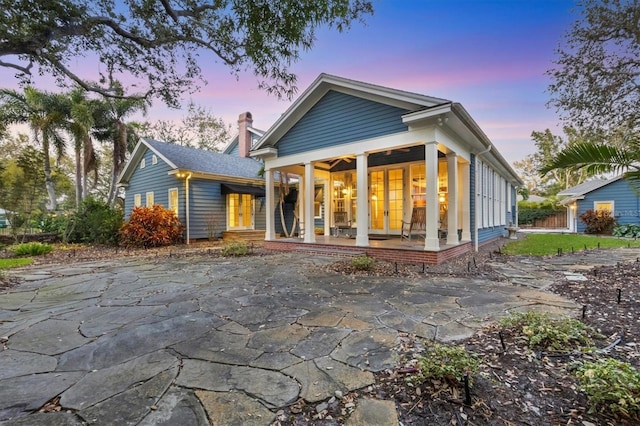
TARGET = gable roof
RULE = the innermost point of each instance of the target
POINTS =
(419, 106)
(586, 187)
(326, 82)
(214, 164)
(579, 191)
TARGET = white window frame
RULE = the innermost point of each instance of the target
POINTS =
(509, 197)
(172, 207)
(137, 200)
(595, 203)
(154, 159)
(143, 163)
(149, 196)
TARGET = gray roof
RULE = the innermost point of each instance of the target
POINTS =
(586, 187)
(198, 160)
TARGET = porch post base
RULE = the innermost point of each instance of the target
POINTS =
(362, 240)
(432, 244)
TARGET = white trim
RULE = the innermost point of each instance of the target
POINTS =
(137, 200)
(143, 163)
(154, 159)
(604, 202)
(175, 208)
(146, 198)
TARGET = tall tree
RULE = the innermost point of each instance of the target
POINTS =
(548, 147)
(596, 81)
(112, 128)
(44, 113)
(198, 129)
(80, 124)
(160, 41)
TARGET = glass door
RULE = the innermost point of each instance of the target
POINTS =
(240, 211)
(386, 201)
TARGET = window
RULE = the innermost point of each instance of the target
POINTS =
(149, 199)
(173, 200)
(154, 159)
(143, 163)
(137, 200)
(603, 205)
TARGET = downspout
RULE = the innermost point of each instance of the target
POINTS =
(186, 192)
(475, 178)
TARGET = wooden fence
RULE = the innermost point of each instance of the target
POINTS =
(556, 221)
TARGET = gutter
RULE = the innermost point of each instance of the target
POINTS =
(186, 184)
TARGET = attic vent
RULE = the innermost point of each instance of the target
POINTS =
(154, 160)
(143, 163)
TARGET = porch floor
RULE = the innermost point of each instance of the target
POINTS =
(385, 247)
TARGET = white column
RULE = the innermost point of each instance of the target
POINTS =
(362, 215)
(309, 190)
(326, 211)
(300, 206)
(270, 233)
(465, 205)
(452, 186)
(433, 210)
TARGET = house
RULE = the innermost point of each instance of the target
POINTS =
(614, 195)
(375, 156)
(211, 192)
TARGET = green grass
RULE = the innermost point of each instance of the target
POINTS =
(15, 262)
(544, 244)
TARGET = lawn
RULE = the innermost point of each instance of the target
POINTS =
(544, 244)
(15, 262)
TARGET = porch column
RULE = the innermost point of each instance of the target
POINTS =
(270, 233)
(465, 204)
(326, 211)
(452, 185)
(362, 206)
(433, 215)
(309, 189)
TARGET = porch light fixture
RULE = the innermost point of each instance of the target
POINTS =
(441, 198)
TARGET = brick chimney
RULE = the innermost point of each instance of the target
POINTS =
(244, 135)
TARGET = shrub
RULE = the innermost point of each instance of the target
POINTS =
(151, 227)
(363, 262)
(236, 248)
(598, 221)
(627, 231)
(32, 249)
(95, 222)
(540, 330)
(611, 385)
(447, 363)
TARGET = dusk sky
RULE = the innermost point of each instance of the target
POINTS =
(491, 56)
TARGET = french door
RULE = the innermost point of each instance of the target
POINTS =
(386, 201)
(239, 211)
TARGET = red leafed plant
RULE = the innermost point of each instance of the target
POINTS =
(598, 222)
(151, 227)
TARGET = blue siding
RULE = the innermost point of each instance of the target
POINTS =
(207, 209)
(626, 203)
(234, 149)
(153, 178)
(339, 118)
(487, 234)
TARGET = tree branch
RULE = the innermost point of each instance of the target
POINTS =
(24, 69)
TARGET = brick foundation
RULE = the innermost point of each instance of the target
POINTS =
(389, 254)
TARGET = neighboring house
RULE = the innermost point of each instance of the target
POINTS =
(211, 192)
(373, 155)
(614, 195)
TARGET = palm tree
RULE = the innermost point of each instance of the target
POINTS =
(44, 113)
(620, 154)
(111, 120)
(81, 121)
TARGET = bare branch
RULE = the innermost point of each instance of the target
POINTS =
(23, 69)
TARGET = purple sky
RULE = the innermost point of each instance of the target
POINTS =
(490, 56)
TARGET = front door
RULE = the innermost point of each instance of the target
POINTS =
(386, 201)
(239, 211)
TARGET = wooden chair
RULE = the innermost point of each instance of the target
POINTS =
(342, 224)
(417, 225)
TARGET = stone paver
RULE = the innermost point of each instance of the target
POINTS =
(189, 341)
